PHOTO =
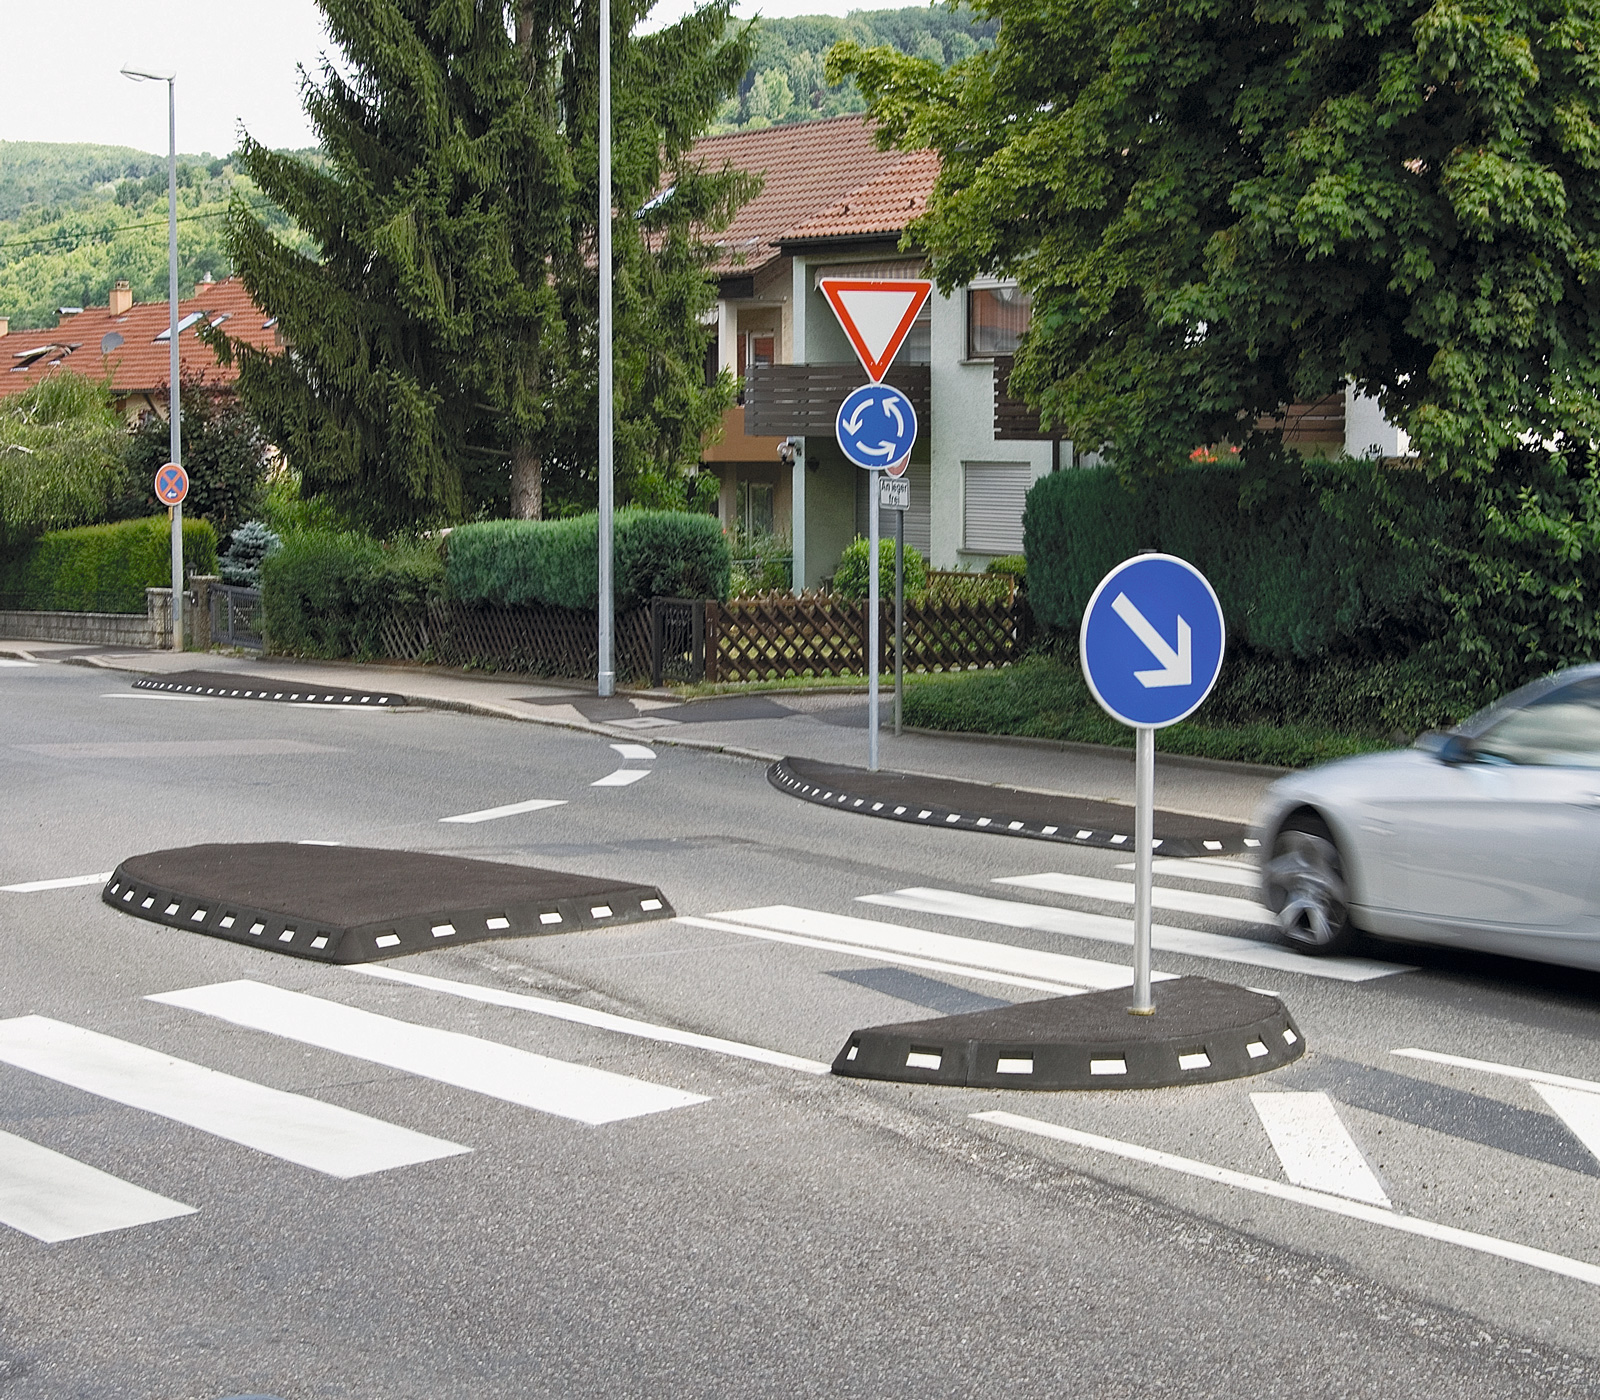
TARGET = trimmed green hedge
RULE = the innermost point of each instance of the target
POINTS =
(327, 594)
(1301, 561)
(658, 553)
(103, 568)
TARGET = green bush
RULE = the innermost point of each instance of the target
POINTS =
(851, 580)
(103, 568)
(326, 594)
(657, 554)
(1302, 561)
(1012, 566)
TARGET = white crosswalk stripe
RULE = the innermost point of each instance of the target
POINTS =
(1579, 1110)
(54, 1197)
(1315, 1147)
(592, 1096)
(297, 1129)
(1214, 869)
(1103, 928)
(1121, 892)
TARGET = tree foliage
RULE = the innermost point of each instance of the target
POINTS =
(60, 455)
(443, 346)
(1222, 209)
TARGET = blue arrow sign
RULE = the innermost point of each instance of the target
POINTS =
(876, 426)
(1152, 641)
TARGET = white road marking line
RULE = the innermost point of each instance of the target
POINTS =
(1104, 929)
(1534, 1076)
(1316, 1148)
(1212, 868)
(9, 661)
(1578, 1109)
(621, 778)
(961, 952)
(592, 1096)
(972, 974)
(306, 1131)
(633, 751)
(1220, 906)
(54, 1198)
(151, 695)
(511, 809)
(70, 882)
(604, 1020)
(1335, 1205)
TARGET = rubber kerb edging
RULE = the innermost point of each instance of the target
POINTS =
(312, 696)
(993, 823)
(391, 938)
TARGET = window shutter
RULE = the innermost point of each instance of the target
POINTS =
(994, 497)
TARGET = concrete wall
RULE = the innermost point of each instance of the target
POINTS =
(151, 628)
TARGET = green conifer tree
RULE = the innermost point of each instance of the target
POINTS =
(441, 355)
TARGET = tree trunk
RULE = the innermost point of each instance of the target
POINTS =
(527, 483)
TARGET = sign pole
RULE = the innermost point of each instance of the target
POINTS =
(606, 678)
(872, 628)
(1144, 822)
(899, 615)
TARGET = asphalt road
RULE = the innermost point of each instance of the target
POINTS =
(1362, 1223)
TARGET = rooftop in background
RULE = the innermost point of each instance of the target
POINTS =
(813, 170)
(86, 342)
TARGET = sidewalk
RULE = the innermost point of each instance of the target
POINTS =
(826, 727)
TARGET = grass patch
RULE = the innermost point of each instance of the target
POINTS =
(1041, 698)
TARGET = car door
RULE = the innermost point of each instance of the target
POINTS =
(1509, 837)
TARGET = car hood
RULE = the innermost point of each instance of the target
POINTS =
(1363, 776)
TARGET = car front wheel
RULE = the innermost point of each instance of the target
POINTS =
(1306, 881)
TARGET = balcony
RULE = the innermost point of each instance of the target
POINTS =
(803, 400)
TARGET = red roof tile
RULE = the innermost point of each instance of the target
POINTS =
(140, 363)
(808, 167)
(884, 204)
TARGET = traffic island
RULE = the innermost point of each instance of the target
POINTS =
(1000, 811)
(225, 685)
(353, 904)
(1200, 1032)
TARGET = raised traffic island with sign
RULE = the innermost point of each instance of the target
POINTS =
(1151, 643)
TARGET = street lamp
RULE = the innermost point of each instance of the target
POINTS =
(607, 678)
(174, 412)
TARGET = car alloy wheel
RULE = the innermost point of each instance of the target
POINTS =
(1307, 874)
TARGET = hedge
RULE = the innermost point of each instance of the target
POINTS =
(103, 568)
(1301, 562)
(658, 554)
(327, 594)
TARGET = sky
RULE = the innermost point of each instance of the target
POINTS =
(235, 59)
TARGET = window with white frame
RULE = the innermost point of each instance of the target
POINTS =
(996, 319)
(992, 500)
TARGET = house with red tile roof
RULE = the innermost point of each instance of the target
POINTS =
(126, 343)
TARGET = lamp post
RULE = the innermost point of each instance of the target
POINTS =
(607, 678)
(174, 412)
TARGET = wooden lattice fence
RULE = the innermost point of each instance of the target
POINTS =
(774, 636)
(534, 639)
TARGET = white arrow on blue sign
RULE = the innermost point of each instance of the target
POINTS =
(876, 426)
(1152, 641)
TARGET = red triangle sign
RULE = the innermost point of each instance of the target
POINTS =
(877, 316)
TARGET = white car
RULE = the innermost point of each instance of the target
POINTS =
(1487, 837)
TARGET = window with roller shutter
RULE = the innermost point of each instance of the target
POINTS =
(994, 495)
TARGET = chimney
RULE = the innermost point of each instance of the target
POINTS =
(121, 297)
(5, 325)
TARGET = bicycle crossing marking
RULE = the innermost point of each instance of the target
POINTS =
(591, 1096)
(308, 1132)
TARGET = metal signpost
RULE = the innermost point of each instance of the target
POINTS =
(876, 425)
(1151, 644)
(894, 493)
(172, 487)
(606, 677)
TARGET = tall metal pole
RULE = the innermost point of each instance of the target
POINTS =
(872, 625)
(1144, 805)
(899, 615)
(607, 678)
(175, 410)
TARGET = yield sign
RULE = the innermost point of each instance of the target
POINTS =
(876, 316)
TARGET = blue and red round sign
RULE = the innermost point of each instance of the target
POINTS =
(172, 484)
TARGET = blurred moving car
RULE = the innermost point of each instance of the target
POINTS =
(1486, 837)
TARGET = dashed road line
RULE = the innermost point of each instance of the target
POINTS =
(1509, 1071)
(634, 751)
(67, 883)
(621, 778)
(1315, 1147)
(511, 809)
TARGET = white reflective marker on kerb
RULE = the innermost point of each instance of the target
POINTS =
(1315, 1147)
(592, 1096)
(635, 751)
(53, 1197)
(67, 883)
(621, 778)
(1579, 1269)
(511, 809)
(1120, 892)
(306, 1131)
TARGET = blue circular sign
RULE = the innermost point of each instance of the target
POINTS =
(1152, 641)
(876, 426)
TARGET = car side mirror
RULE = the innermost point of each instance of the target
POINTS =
(1457, 749)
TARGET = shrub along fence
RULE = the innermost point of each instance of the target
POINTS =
(102, 568)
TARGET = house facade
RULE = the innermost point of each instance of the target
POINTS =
(834, 205)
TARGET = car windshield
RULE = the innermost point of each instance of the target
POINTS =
(1561, 728)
